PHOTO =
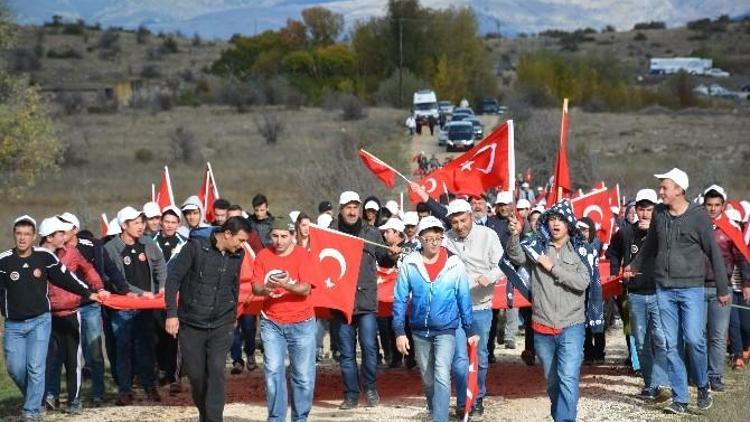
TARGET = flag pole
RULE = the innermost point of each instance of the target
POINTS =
(325, 229)
(169, 186)
(563, 134)
(153, 193)
(398, 173)
(213, 179)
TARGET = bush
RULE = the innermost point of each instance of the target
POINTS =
(109, 39)
(142, 34)
(185, 145)
(169, 46)
(144, 155)
(276, 90)
(649, 25)
(239, 94)
(609, 28)
(77, 28)
(67, 53)
(196, 41)
(154, 53)
(387, 93)
(24, 60)
(352, 107)
(270, 127)
(71, 102)
(150, 71)
(640, 37)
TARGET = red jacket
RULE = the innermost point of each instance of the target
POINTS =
(732, 257)
(63, 302)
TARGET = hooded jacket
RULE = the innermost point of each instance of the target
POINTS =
(678, 245)
(203, 230)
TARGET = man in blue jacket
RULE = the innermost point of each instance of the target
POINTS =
(438, 285)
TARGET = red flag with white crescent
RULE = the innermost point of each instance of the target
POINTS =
(386, 285)
(164, 195)
(379, 168)
(595, 205)
(561, 177)
(491, 163)
(208, 193)
(339, 257)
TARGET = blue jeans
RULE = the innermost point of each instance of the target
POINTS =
(364, 327)
(92, 330)
(682, 318)
(244, 335)
(739, 327)
(650, 343)
(481, 323)
(134, 340)
(717, 325)
(434, 356)
(298, 340)
(25, 344)
(561, 356)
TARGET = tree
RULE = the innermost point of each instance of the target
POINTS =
(324, 26)
(294, 34)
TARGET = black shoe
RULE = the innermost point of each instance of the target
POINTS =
(97, 402)
(175, 388)
(124, 399)
(477, 409)
(527, 356)
(647, 394)
(676, 408)
(348, 404)
(704, 398)
(152, 394)
(411, 363)
(237, 367)
(373, 399)
(251, 365)
(491, 358)
(717, 385)
(397, 364)
(51, 402)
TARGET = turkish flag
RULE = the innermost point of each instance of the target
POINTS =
(491, 163)
(208, 193)
(499, 296)
(386, 285)
(339, 257)
(595, 205)
(435, 184)
(164, 196)
(104, 224)
(733, 232)
(562, 171)
(248, 303)
(125, 302)
(472, 384)
(379, 168)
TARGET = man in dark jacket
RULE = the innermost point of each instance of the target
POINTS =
(262, 220)
(206, 276)
(679, 237)
(364, 323)
(645, 317)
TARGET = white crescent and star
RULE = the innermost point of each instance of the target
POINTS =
(432, 183)
(339, 258)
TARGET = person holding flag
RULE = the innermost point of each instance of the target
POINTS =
(732, 249)
(438, 286)
(284, 275)
(206, 275)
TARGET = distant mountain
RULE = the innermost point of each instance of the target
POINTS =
(222, 18)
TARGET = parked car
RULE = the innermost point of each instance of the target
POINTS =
(717, 90)
(446, 107)
(460, 136)
(717, 73)
(464, 110)
(489, 106)
(477, 126)
(457, 117)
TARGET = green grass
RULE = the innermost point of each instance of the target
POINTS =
(731, 405)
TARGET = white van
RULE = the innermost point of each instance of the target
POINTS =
(425, 106)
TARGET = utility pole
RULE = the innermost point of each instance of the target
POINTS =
(400, 62)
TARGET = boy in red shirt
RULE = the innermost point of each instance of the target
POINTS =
(285, 275)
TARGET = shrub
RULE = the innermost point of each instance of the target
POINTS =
(270, 126)
(640, 37)
(77, 28)
(649, 25)
(67, 53)
(169, 46)
(352, 107)
(150, 71)
(142, 35)
(387, 93)
(71, 102)
(24, 60)
(144, 155)
(109, 39)
(185, 145)
(196, 41)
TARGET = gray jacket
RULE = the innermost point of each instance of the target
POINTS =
(559, 295)
(155, 261)
(678, 246)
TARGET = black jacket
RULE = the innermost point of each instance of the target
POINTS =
(626, 244)
(208, 283)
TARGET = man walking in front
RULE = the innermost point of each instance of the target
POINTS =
(678, 239)
(206, 276)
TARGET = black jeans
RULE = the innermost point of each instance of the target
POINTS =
(65, 349)
(204, 354)
(167, 351)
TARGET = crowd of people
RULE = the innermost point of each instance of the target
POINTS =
(679, 260)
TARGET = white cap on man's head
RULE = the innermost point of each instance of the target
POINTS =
(525, 185)
(126, 214)
(173, 209)
(522, 204)
(458, 206)
(53, 224)
(429, 222)
(679, 177)
(69, 217)
(324, 220)
(393, 223)
(151, 210)
(372, 205)
(718, 190)
(504, 197)
(411, 218)
(27, 218)
(293, 216)
(646, 195)
(349, 196)
(393, 207)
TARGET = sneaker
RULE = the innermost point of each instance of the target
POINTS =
(152, 394)
(647, 394)
(51, 402)
(348, 404)
(97, 402)
(676, 408)
(477, 409)
(124, 399)
(74, 409)
(663, 394)
(251, 365)
(373, 399)
(704, 398)
(31, 418)
(491, 358)
(527, 356)
(510, 344)
(175, 388)
(237, 367)
(717, 385)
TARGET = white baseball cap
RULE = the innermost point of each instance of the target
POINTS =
(646, 195)
(190, 207)
(126, 214)
(458, 206)
(504, 197)
(293, 216)
(539, 208)
(676, 175)
(70, 218)
(53, 224)
(428, 223)
(324, 220)
(393, 223)
(734, 215)
(372, 205)
(393, 207)
(523, 204)
(25, 217)
(151, 210)
(718, 189)
(173, 209)
(349, 196)
(113, 228)
(411, 218)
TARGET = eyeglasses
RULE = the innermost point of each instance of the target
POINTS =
(432, 240)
